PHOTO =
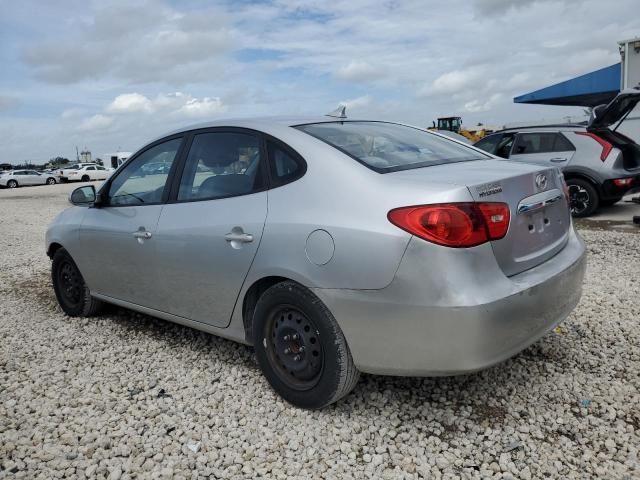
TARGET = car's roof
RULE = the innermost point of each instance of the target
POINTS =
(544, 128)
(260, 123)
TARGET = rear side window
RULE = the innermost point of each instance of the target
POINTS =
(562, 144)
(285, 165)
(388, 147)
(544, 142)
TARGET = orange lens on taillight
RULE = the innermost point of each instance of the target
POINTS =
(457, 225)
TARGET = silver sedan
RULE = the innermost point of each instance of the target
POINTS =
(333, 246)
(21, 178)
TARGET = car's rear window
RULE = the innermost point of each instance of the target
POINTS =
(389, 147)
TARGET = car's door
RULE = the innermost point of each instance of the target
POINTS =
(90, 171)
(31, 177)
(118, 252)
(542, 148)
(101, 173)
(209, 234)
(20, 177)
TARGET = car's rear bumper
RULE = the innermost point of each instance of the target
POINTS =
(609, 189)
(467, 324)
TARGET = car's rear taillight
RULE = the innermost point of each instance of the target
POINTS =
(606, 146)
(623, 182)
(458, 225)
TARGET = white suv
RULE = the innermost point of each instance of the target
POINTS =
(84, 172)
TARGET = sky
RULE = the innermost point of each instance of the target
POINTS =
(112, 75)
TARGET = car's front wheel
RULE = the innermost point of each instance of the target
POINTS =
(12, 184)
(300, 347)
(51, 181)
(583, 197)
(71, 290)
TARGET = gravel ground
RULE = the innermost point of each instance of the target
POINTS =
(124, 395)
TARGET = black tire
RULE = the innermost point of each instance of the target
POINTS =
(583, 197)
(324, 371)
(610, 201)
(85, 178)
(51, 181)
(71, 291)
(12, 184)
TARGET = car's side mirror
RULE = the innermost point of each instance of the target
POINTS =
(83, 196)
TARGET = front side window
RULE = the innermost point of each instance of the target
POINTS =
(134, 185)
(90, 168)
(387, 147)
(489, 144)
(503, 149)
(221, 164)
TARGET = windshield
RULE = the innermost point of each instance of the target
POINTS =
(389, 147)
(72, 167)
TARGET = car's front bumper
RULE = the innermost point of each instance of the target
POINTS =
(469, 322)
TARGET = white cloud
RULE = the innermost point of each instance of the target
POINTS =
(177, 104)
(130, 102)
(359, 71)
(357, 103)
(483, 105)
(453, 82)
(202, 108)
(96, 122)
(71, 113)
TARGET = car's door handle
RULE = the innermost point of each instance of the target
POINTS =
(142, 234)
(238, 237)
(558, 160)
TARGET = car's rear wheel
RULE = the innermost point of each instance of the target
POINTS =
(85, 178)
(71, 290)
(300, 347)
(51, 181)
(12, 184)
(583, 197)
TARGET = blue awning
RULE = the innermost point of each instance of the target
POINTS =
(587, 90)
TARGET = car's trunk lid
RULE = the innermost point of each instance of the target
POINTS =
(540, 218)
(603, 116)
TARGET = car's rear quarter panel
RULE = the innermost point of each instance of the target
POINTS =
(350, 202)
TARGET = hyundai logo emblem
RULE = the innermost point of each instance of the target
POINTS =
(541, 181)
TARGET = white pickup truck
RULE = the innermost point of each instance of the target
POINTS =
(84, 172)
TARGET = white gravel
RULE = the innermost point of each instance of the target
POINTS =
(128, 396)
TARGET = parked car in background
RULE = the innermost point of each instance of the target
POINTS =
(23, 178)
(332, 246)
(599, 164)
(84, 172)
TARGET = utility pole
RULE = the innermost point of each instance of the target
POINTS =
(77, 155)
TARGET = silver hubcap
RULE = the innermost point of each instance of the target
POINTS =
(579, 198)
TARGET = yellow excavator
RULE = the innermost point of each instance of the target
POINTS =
(454, 124)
